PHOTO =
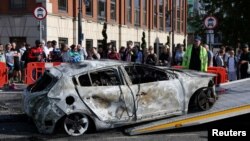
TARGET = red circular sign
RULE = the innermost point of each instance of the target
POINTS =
(210, 22)
(40, 12)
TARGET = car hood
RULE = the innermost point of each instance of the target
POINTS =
(198, 73)
(190, 73)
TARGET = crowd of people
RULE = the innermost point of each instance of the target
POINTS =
(199, 57)
(196, 57)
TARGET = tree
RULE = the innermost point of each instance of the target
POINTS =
(143, 44)
(233, 19)
(105, 39)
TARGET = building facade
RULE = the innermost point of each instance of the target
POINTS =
(126, 20)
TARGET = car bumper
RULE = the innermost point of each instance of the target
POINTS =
(43, 111)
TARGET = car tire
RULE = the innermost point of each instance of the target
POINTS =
(76, 124)
(205, 99)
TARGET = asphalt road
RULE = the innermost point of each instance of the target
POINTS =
(14, 125)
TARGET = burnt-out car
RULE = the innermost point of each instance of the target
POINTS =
(107, 94)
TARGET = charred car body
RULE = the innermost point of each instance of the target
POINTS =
(107, 94)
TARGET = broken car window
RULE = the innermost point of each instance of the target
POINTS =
(84, 80)
(108, 77)
(42, 83)
(141, 74)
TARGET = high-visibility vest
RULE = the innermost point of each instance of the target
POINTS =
(203, 58)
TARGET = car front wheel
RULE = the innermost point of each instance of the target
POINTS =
(205, 99)
(76, 124)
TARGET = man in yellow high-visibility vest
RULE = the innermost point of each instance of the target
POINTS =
(195, 57)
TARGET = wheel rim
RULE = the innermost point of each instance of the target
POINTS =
(204, 99)
(76, 124)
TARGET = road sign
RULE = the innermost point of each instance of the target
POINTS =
(40, 13)
(210, 22)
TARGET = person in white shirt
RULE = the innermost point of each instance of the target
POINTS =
(232, 66)
(45, 49)
(219, 59)
(22, 49)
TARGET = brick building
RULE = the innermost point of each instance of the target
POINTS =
(126, 20)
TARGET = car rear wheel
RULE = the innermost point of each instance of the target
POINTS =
(76, 124)
(205, 99)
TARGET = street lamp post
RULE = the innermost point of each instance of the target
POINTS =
(80, 38)
(173, 24)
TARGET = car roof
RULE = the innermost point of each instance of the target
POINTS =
(71, 69)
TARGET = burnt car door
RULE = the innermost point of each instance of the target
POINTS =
(158, 93)
(102, 92)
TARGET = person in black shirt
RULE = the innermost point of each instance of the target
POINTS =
(195, 62)
(165, 57)
(151, 58)
(17, 65)
(244, 60)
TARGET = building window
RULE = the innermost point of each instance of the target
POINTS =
(18, 40)
(137, 12)
(179, 11)
(101, 9)
(161, 10)
(168, 16)
(63, 5)
(89, 7)
(113, 42)
(62, 41)
(99, 44)
(89, 44)
(155, 13)
(144, 12)
(17, 4)
(183, 15)
(113, 9)
(129, 11)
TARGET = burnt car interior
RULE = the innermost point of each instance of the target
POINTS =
(42, 83)
(141, 74)
(108, 77)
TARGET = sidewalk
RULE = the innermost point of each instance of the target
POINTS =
(13, 88)
(11, 101)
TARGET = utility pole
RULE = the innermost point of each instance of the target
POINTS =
(80, 36)
(173, 24)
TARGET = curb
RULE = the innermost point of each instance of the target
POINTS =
(14, 118)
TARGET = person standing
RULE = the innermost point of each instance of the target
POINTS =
(113, 54)
(24, 57)
(195, 57)
(2, 54)
(9, 56)
(219, 59)
(65, 53)
(75, 55)
(178, 58)
(244, 60)
(151, 58)
(45, 49)
(238, 55)
(82, 51)
(36, 53)
(17, 65)
(128, 51)
(210, 56)
(138, 55)
(55, 54)
(122, 53)
(232, 66)
(165, 57)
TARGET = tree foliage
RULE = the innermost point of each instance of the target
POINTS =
(233, 17)
(105, 38)
(144, 44)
